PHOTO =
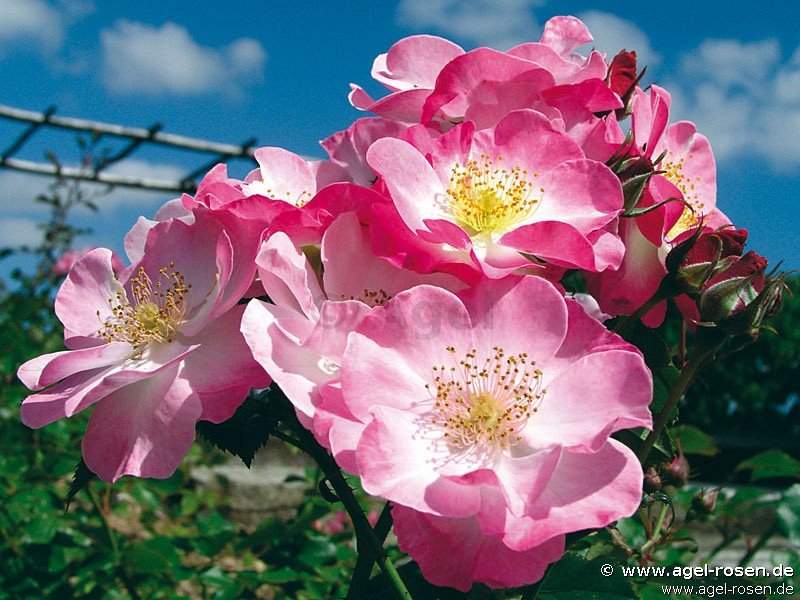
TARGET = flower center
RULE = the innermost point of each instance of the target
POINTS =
(157, 309)
(488, 402)
(690, 215)
(261, 188)
(483, 196)
(370, 297)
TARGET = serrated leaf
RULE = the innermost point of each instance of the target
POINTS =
(244, 433)
(692, 440)
(771, 464)
(80, 479)
(574, 578)
(157, 555)
(788, 514)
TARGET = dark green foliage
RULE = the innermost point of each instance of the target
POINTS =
(245, 432)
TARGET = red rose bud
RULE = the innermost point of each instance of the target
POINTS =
(696, 260)
(622, 72)
(749, 320)
(622, 79)
(733, 288)
(677, 471)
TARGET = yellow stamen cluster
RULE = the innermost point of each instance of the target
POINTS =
(484, 196)
(370, 297)
(155, 312)
(487, 402)
(691, 214)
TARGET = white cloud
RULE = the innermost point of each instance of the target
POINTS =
(612, 34)
(497, 23)
(142, 59)
(744, 98)
(31, 21)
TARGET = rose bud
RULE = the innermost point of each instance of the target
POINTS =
(677, 471)
(622, 79)
(750, 319)
(652, 480)
(695, 260)
(704, 501)
(732, 289)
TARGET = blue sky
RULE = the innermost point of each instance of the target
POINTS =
(279, 71)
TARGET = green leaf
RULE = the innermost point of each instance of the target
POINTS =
(574, 578)
(244, 433)
(282, 575)
(80, 480)
(788, 514)
(694, 441)
(771, 464)
(157, 555)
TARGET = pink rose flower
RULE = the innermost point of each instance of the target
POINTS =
(486, 197)
(486, 414)
(156, 351)
(67, 260)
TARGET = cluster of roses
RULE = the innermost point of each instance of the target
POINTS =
(404, 295)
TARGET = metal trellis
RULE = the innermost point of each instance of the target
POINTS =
(136, 137)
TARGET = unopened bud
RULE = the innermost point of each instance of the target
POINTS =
(704, 501)
(652, 480)
(677, 471)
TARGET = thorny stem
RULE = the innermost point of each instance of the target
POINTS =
(645, 308)
(365, 561)
(688, 373)
(366, 538)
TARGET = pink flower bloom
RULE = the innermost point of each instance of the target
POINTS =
(156, 351)
(300, 338)
(690, 175)
(485, 197)
(484, 418)
(67, 260)
(348, 149)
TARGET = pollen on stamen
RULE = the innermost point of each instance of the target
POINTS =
(674, 172)
(377, 297)
(154, 312)
(485, 402)
(484, 196)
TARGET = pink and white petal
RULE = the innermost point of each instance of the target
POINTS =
(416, 190)
(396, 243)
(649, 118)
(527, 139)
(337, 319)
(193, 252)
(583, 193)
(288, 277)
(351, 268)
(48, 369)
(396, 458)
(521, 315)
(144, 429)
(404, 106)
(595, 396)
(556, 242)
(698, 167)
(524, 478)
(294, 368)
(285, 175)
(89, 287)
(488, 84)
(79, 391)
(389, 358)
(336, 428)
(414, 62)
(585, 492)
(222, 370)
(564, 34)
(638, 277)
(457, 553)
